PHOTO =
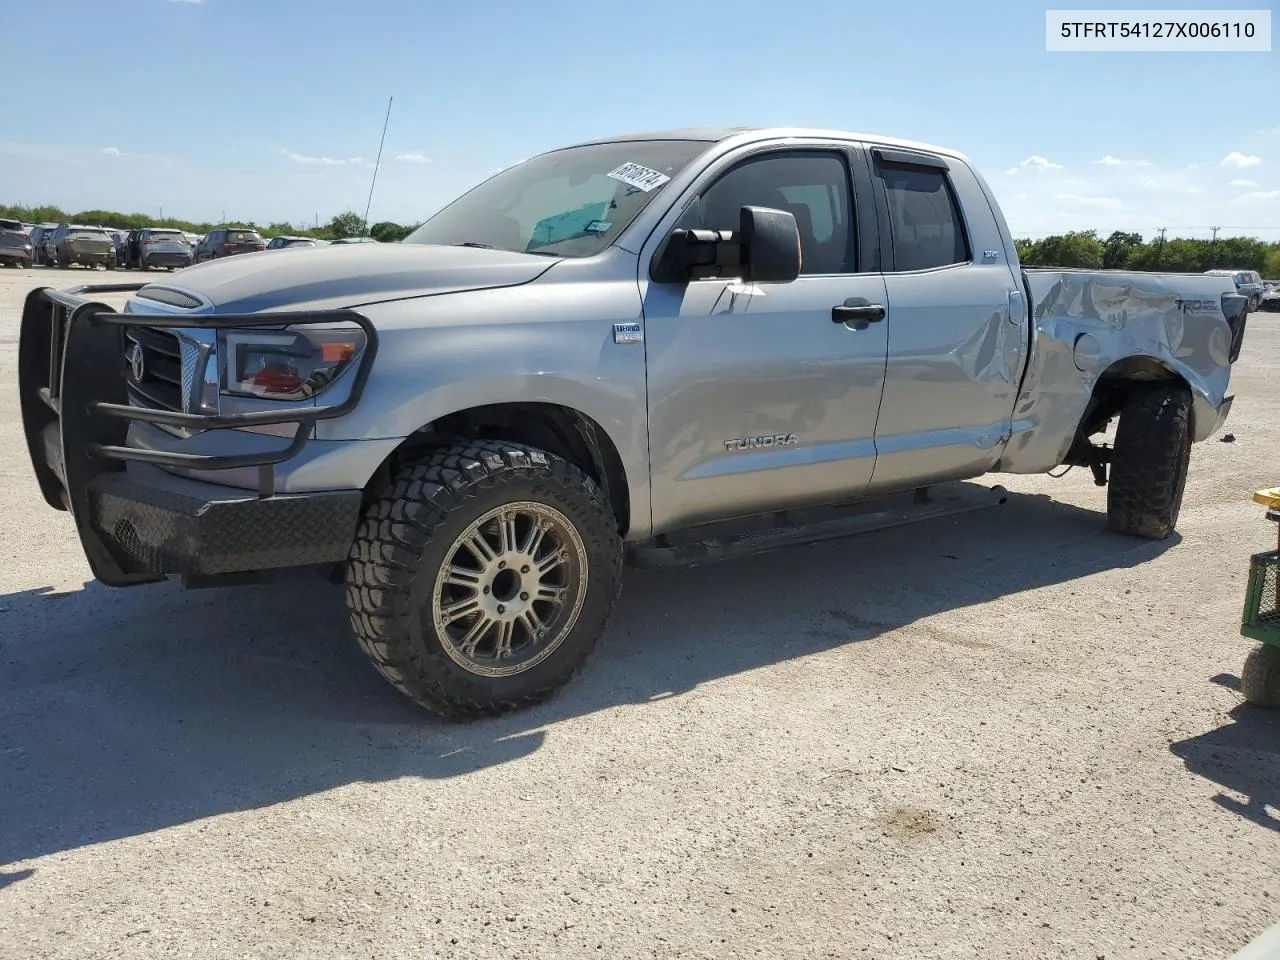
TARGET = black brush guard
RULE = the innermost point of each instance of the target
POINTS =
(137, 526)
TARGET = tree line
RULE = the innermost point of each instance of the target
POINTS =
(1081, 248)
(346, 224)
(1130, 251)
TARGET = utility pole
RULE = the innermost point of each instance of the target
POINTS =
(1215, 233)
(1160, 248)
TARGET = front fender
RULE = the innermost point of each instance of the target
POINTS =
(545, 342)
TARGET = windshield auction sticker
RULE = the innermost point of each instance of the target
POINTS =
(642, 178)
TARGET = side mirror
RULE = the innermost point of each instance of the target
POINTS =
(765, 248)
(770, 245)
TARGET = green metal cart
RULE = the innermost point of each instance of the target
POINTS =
(1260, 679)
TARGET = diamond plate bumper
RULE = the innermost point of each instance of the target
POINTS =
(165, 524)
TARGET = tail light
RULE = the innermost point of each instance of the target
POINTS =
(226, 246)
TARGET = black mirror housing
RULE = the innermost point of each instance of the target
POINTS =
(771, 245)
(764, 249)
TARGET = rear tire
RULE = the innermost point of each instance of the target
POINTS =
(1260, 678)
(482, 577)
(1149, 461)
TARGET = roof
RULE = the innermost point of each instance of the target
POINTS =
(749, 134)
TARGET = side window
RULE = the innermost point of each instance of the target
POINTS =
(812, 187)
(924, 218)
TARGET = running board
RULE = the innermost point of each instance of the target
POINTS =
(796, 527)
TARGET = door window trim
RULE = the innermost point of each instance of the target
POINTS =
(865, 258)
(882, 157)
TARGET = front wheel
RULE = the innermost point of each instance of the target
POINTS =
(1149, 461)
(482, 577)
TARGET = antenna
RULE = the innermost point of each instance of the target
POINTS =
(376, 164)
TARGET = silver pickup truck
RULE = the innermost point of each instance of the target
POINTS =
(667, 348)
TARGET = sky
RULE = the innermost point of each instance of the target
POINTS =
(271, 110)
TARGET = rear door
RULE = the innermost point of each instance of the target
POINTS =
(957, 337)
(759, 396)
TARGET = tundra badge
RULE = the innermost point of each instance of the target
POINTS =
(753, 443)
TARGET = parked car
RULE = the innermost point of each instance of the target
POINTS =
(15, 248)
(1248, 284)
(1270, 301)
(158, 247)
(14, 226)
(707, 348)
(79, 245)
(354, 240)
(279, 243)
(227, 242)
(39, 233)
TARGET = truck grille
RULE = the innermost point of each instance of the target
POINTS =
(159, 355)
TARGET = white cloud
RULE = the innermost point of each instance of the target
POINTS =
(111, 151)
(1101, 203)
(412, 158)
(321, 161)
(1258, 196)
(1110, 161)
(1150, 184)
(1242, 183)
(1035, 162)
(1195, 190)
(1239, 161)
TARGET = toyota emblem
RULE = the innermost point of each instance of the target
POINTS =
(137, 365)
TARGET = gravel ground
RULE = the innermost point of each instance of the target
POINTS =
(1011, 735)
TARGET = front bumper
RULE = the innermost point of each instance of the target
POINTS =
(164, 524)
(138, 523)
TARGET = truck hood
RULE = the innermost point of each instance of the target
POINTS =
(350, 275)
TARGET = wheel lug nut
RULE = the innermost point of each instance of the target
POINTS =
(502, 564)
(524, 596)
(486, 591)
(525, 568)
(501, 608)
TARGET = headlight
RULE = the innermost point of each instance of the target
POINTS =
(288, 364)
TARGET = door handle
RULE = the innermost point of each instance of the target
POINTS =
(858, 311)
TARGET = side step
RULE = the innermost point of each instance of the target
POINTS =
(746, 538)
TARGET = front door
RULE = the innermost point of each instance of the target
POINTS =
(765, 396)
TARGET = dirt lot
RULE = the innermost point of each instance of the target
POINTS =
(1011, 735)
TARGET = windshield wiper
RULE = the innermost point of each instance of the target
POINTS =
(474, 243)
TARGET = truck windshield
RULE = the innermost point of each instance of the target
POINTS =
(568, 203)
